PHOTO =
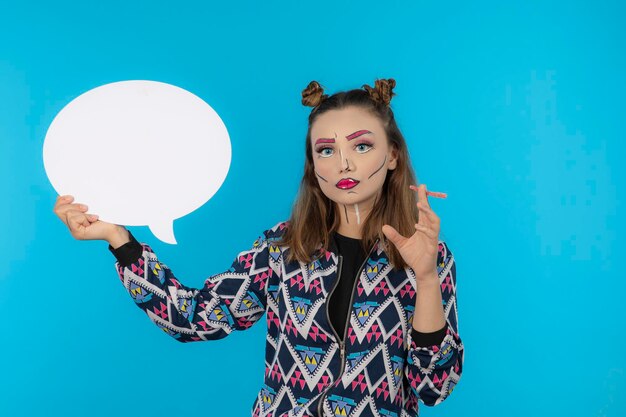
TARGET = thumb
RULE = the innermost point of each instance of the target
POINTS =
(393, 235)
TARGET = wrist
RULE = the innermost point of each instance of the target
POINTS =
(119, 237)
(427, 281)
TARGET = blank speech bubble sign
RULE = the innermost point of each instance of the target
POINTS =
(138, 153)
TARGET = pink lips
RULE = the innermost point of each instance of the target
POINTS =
(346, 183)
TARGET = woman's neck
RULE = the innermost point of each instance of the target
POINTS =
(352, 217)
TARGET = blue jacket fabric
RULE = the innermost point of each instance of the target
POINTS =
(377, 370)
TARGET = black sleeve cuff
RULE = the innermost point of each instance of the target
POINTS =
(429, 339)
(129, 252)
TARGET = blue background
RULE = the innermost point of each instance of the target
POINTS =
(515, 110)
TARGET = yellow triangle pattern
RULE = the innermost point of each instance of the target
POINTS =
(219, 314)
(340, 411)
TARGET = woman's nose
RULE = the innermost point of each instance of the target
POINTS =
(345, 164)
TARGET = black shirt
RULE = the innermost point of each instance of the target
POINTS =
(353, 258)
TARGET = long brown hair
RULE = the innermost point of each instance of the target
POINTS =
(314, 216)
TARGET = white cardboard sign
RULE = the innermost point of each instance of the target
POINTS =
(138, 153)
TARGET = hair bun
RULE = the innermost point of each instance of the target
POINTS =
(382, 91)
(313, 94)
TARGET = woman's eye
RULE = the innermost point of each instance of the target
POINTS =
(363, 147)
(325, 152)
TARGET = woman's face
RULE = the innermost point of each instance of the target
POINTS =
(351, 156)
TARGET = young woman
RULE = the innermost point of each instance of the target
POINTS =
(358, 290)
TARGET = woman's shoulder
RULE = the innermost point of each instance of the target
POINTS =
(276, 231)
(271, 237)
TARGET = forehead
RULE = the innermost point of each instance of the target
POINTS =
(344, 122)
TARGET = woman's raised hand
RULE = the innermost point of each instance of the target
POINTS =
(420, 250)
(83, 225)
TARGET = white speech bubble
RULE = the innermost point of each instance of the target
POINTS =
(138, 153)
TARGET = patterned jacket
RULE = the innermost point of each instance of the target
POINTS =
(378, 371)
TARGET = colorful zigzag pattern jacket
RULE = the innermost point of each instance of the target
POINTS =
(378, 370)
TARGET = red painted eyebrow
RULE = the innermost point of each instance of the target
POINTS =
(323, 140)
(357, 134)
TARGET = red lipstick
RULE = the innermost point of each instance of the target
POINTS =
(346, 183)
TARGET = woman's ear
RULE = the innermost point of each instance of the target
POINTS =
(393, 158)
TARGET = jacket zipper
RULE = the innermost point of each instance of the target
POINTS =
(342, 343)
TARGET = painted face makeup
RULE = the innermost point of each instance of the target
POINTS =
(351, 158)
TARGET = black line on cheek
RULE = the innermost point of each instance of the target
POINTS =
(320, 176)
(345, 209)
(381, 167)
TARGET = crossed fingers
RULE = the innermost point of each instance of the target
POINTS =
(432, 193)
(431, 226)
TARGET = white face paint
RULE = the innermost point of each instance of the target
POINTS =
(358, 216)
